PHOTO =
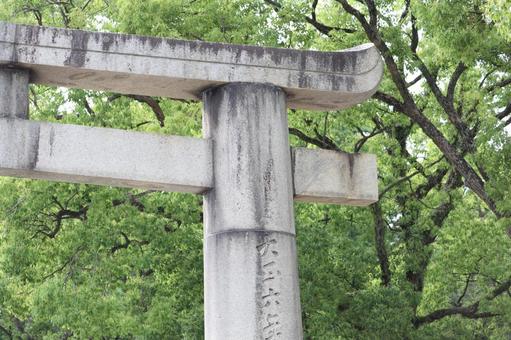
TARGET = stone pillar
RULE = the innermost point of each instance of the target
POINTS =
(13, 93)
(250, 263)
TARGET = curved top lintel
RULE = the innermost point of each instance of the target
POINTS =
(182, 69)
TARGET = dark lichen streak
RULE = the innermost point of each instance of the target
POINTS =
(192, 45)
(342, 82)
(52, 139)
(79, 41)
(107, 42)
(33, 156)
(213, 104)
(343, 63)
(252, 52)
(155, 42)
(237, 56)
(303, 80)
(351, 163)
(350, 83)
(277, 56)
(176, 45)
(54, 35)
(269, 179)
(14, 56)
(32, 35)
(303, 60)
(213, 48)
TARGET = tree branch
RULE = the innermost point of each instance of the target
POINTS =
(153, 104)
(60, 216)
(465, 289)
(499, 84)
(360, 143)
(433, 178)
(312, 19)
(472, 179)
(502, 288)
(70, 260)
(133, 199)
(276, 6)
(486, 77)
(127, 242)
(505, 112)
(471, 311)
(87, 107)
(86, 5)
(405, 11)
(414, 40)
(389, 100)
(454, 80)
(373, 13)
(379, 236)
(6, 331)
(322, 143)
(399, 181)
(37, 14)
(446, 102)
(124, 245)
(414, 81)
(325, 29)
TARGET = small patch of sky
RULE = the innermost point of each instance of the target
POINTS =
(419, 149)
(68, 106)
(103, 23)
(393, 221)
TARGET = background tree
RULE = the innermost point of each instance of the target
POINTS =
(431, 259)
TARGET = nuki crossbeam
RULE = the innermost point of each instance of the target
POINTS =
(101, 156)
(243, 166)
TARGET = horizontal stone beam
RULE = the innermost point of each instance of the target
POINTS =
(81, 154)
(184, 69)
(326, 176)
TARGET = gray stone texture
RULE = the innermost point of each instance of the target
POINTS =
(13, 93)
(183, 69)
(251, 286)
(100, 156)
(81, 154)
(251, 278)
(327, 176)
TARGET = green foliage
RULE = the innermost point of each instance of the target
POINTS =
(81, 261)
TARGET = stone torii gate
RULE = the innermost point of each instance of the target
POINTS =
(243, 166)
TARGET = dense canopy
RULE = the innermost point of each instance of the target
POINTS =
(431, 259)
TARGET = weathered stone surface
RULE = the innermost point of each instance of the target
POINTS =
(13, 93)
(250, 264)
(251, 289)
(252, 183)
(331, 177)
(104, 156)
(151, 161)
(183, 69)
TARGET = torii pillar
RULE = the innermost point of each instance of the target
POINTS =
(250, 263)
(244, 166)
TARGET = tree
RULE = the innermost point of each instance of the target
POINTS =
(430, 259)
